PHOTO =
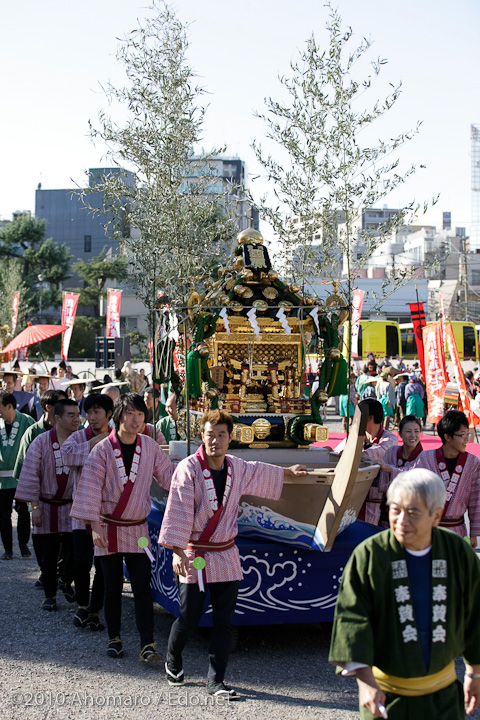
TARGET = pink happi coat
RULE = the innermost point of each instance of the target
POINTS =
(160, 437)
(377, 450)
(38, 477)
(189, 510)
(75, 451)
(378, 491)
(467, 494)
(101, 486)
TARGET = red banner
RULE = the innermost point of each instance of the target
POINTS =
(418, 319)
(462, 385)
(69, 310)
(15, 305)
(357, 304)
(435, 371)
(113, 313)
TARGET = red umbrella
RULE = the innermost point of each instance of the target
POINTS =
(34, 334)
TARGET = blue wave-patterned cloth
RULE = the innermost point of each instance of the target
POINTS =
(264, 523)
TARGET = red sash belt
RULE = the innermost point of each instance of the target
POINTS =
(452, 521)
(206, 546)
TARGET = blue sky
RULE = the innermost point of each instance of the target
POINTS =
(54, 54)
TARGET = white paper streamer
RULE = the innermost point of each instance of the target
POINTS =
(173, 322)
(224, 316)
(252, 316)
(314, 315)
(283, 321)
(201, 586)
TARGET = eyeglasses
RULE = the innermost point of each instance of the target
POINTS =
(461, 435)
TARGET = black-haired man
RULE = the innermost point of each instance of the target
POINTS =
(45, 482)
(46, 422)
(377, 439)
(13, 425)
(201, 523)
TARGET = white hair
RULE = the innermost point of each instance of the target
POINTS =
(421, 483)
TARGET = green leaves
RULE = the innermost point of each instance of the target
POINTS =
(176, 208)
(24, 255)
(324, 169)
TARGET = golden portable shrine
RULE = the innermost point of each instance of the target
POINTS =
(250, 333)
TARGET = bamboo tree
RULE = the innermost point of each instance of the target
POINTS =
(322, 169)
(324, 172)
(167, 212)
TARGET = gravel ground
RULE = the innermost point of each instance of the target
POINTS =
(50, 670)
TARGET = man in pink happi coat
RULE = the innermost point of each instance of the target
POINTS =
(46, 483)
(460, 472)
(114, 497)
(75, 451)
(377, 439)
(200, 525)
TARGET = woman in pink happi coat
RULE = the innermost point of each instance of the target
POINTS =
(114, 497)
(397, 459)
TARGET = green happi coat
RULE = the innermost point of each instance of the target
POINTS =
(9, 446)
(168, 428)
(375, 619)
(32, 432)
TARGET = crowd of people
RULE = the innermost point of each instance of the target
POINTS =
(401, 390)
(83, 480)
(408, 599)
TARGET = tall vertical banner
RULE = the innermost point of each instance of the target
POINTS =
(15, 306)
(69, 310)
(462, 385)
(114, 300)
(418, 320)
(435, 373)
(357, 304)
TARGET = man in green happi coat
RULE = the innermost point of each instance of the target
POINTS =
(13, 425)
(408, 606)
(168, 425)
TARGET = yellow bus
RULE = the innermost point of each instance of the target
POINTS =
(380, 337)
(465, 334)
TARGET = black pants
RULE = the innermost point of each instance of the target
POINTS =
(47, 548)
(82, 564)
(139, 569)
(23, 523)
(223, 596)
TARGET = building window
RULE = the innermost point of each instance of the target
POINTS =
(128, 324)
(87, 243)
(475, 277)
